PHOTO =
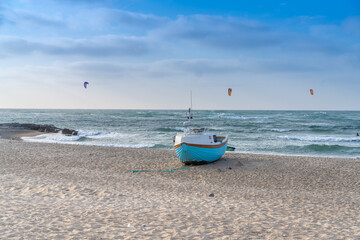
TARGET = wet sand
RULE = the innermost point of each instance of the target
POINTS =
(55, 191)
(17, 133)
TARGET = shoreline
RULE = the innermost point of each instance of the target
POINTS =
(63, 191)
(18, 133)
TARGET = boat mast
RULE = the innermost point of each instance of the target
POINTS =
(190, 114)
(190, 99)
(188, 123)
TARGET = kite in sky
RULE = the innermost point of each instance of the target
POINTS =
(229, 91)
(311, 92)
(85, 84)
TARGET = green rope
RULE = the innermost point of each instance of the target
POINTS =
(172, 170)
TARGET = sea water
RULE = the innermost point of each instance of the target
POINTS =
(302, 133)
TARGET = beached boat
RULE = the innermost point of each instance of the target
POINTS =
(195, 146)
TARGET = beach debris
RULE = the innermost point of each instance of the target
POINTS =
(143, 227)
(129, 224)
(229, 148)
(211, 195)
(85, 84)
(311, 91)
(239, 164)
(229, 91)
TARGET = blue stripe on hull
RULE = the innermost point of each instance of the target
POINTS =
(189, 154)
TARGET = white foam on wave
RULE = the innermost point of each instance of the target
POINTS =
(88, 134)
(99, 135)
(63, 139)
(318, 124)
(52, 138)
(125, 145)
(232, 116)
(320, 139)
(228, 116)
(178, 128)
(212, 128)
(280, 130)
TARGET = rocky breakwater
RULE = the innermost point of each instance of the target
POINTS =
(39, 127)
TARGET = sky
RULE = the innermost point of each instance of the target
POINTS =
(150, 54)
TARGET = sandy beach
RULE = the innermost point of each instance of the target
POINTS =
(55, 191)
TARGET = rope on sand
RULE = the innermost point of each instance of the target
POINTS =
(171, 170)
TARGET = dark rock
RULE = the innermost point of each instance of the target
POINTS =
(47, 128)
(67, 131)
(30, 126)
(211, 195)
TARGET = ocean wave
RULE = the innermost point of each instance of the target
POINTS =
(170, 129)
(53, 138)
(323, 148)
(231, 116)
(90, 134)
(320, 139)
(241, 117)
(215, 129)
(326, 148)
(76, 140)
(99, 135)
(280, 130)
(318, 124)
(82, 136)
(124, 145)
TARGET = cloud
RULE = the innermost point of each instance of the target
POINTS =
(34, 19)
(196, 67)
(174, 69)
(131, 19)
(72, 20)
(240, 34)
(221, 32)
(105, 20)
(110, 32)
(102, 46)
(26, 18)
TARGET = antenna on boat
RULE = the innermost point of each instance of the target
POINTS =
(191, 99)
(189, 114)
